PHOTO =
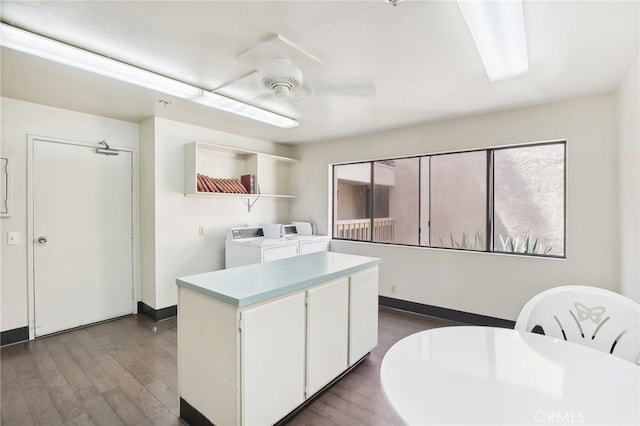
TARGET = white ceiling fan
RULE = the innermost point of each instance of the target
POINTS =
(278, 75)
(286, 81)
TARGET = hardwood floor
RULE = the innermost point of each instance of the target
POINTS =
(357, 399)
(123, 373)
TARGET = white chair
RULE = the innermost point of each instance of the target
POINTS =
(592, 316)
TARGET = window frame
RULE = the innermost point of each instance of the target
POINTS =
(490, 199)
(564, 198)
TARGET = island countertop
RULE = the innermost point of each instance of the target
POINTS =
(258, 282)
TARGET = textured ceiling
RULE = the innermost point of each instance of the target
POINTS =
(419, 54)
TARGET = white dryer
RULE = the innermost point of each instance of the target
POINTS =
(308, 241)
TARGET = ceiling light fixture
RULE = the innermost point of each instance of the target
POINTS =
(393, 2)
(497, 28)
(53, 50)
(282, 76)
(224, 103)
(34, 44)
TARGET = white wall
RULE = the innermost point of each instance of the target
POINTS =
(168, 222)
(147, 182)
(628, 126)
(179, 250)
(20, 119)
(491, 284)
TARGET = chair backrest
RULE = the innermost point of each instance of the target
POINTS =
(591, 316)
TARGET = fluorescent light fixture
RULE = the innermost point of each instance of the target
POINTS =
(34, 44)
(497, 28)
(224, 103)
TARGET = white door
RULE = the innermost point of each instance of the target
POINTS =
(82, 227)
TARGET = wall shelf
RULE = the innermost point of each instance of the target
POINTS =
(273, 174)
(230, 195)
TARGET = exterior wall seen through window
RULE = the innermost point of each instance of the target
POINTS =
(507, 200)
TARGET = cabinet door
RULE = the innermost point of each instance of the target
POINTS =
(327, 333)
(363, 313)
(282, 252)
(273, 359)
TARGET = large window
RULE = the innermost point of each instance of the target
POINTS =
(507, 200)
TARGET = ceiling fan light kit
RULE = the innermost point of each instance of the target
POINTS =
(278, 64)
(53, 50)
(282, 77)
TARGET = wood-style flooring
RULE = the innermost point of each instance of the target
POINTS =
(124, 372)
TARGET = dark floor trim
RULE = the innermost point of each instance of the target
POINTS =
(444, 313)
(16, 335)
(193, 417)
(157, 314)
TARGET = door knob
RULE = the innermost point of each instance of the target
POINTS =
(42, 240)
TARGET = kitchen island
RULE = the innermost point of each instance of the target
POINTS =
(257, 341)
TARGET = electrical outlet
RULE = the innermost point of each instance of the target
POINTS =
(393, 289)
(200, 230)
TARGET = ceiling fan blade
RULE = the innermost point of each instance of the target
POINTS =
(344, 87)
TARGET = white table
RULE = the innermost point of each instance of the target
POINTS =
(484, 375)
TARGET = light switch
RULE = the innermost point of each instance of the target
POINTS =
(13, 238)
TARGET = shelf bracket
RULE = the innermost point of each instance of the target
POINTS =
(251, 203)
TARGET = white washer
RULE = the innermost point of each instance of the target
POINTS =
(248, 245)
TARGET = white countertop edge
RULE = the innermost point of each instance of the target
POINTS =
(216, 295)
(270, 293)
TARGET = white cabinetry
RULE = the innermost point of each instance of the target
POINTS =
(363, 313)
(327, 333)
(254, 364)
(273, 337)
(273, 174)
